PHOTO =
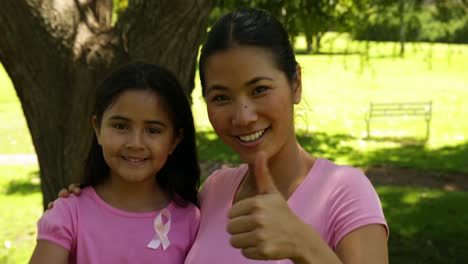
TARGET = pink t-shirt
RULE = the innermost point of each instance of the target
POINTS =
(333, 199)
(94, 232)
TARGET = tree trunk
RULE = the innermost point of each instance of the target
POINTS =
(401, 11)
(309, 41)
(318, 44)
(56, 52)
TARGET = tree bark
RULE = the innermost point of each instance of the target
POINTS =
(56, 52)
(402, 11)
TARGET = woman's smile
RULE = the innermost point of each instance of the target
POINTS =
(252, 138)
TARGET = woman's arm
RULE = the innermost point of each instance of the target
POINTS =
(265, 228)
(367, 244)
(48, 252)
(74, 188)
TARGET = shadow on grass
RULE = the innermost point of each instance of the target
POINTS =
(407, 154)
(28, 185)
(322, 53)
(210, 147)
(441, 161)
(405, 141)
(426, 227)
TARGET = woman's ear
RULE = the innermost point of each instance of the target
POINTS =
(297, 86)
(96, 127)
(178, 136)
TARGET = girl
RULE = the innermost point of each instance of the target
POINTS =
(141, 178)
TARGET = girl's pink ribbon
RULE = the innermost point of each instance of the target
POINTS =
(161, 231)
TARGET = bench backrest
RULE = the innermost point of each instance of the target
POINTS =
(398, 109)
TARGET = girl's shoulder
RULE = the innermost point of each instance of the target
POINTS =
(60, 223)
(66, 209)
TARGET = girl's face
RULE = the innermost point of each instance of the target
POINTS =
(136, 135)
(250, 101)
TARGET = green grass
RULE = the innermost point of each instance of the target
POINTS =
(14, 133)
(21, 207)
(427, 226)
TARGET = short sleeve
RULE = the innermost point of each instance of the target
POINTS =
(57, 225)
(354, 204)
(194, 223)
(202, 194)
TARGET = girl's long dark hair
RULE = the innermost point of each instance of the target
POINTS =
(180, 175)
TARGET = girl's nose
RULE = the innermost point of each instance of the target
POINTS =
(135, 140)
(244, 114)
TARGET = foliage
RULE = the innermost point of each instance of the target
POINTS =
(440, 21)
(378, 20)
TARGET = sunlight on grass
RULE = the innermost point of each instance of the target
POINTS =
(21, 206)
(14, 132)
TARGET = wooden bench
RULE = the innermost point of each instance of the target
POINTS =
(406, 110)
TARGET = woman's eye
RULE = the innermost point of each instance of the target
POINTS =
(219, 98)
(258, 90)
(153, 130)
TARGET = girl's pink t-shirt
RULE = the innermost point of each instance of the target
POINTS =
(94, 232)
(333, 199)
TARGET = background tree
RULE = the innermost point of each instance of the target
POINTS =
(56, 52)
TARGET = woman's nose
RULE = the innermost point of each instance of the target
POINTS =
(244, 114)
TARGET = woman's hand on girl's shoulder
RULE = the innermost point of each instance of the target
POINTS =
(73, 188)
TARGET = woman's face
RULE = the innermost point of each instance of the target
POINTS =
(250, 101)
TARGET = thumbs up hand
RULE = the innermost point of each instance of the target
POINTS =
(263, 226)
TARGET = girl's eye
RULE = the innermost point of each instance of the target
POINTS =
(153, 130)
(259, 90)
(120, 126)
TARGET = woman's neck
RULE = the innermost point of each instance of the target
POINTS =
(288, 168)
(133, 197)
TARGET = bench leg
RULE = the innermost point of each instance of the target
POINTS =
(368, 128)
(428, 129)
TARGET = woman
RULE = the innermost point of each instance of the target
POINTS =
(283, 204)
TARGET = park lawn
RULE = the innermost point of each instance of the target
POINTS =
(21, 207)
(14, 133)
(426, 226)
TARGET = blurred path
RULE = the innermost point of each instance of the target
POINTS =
(18, 159)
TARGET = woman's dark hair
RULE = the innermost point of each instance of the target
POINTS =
(254, 27)
(180, 175)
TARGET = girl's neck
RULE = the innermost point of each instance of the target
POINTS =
(133, 197)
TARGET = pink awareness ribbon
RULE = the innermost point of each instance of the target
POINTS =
(161, 231)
